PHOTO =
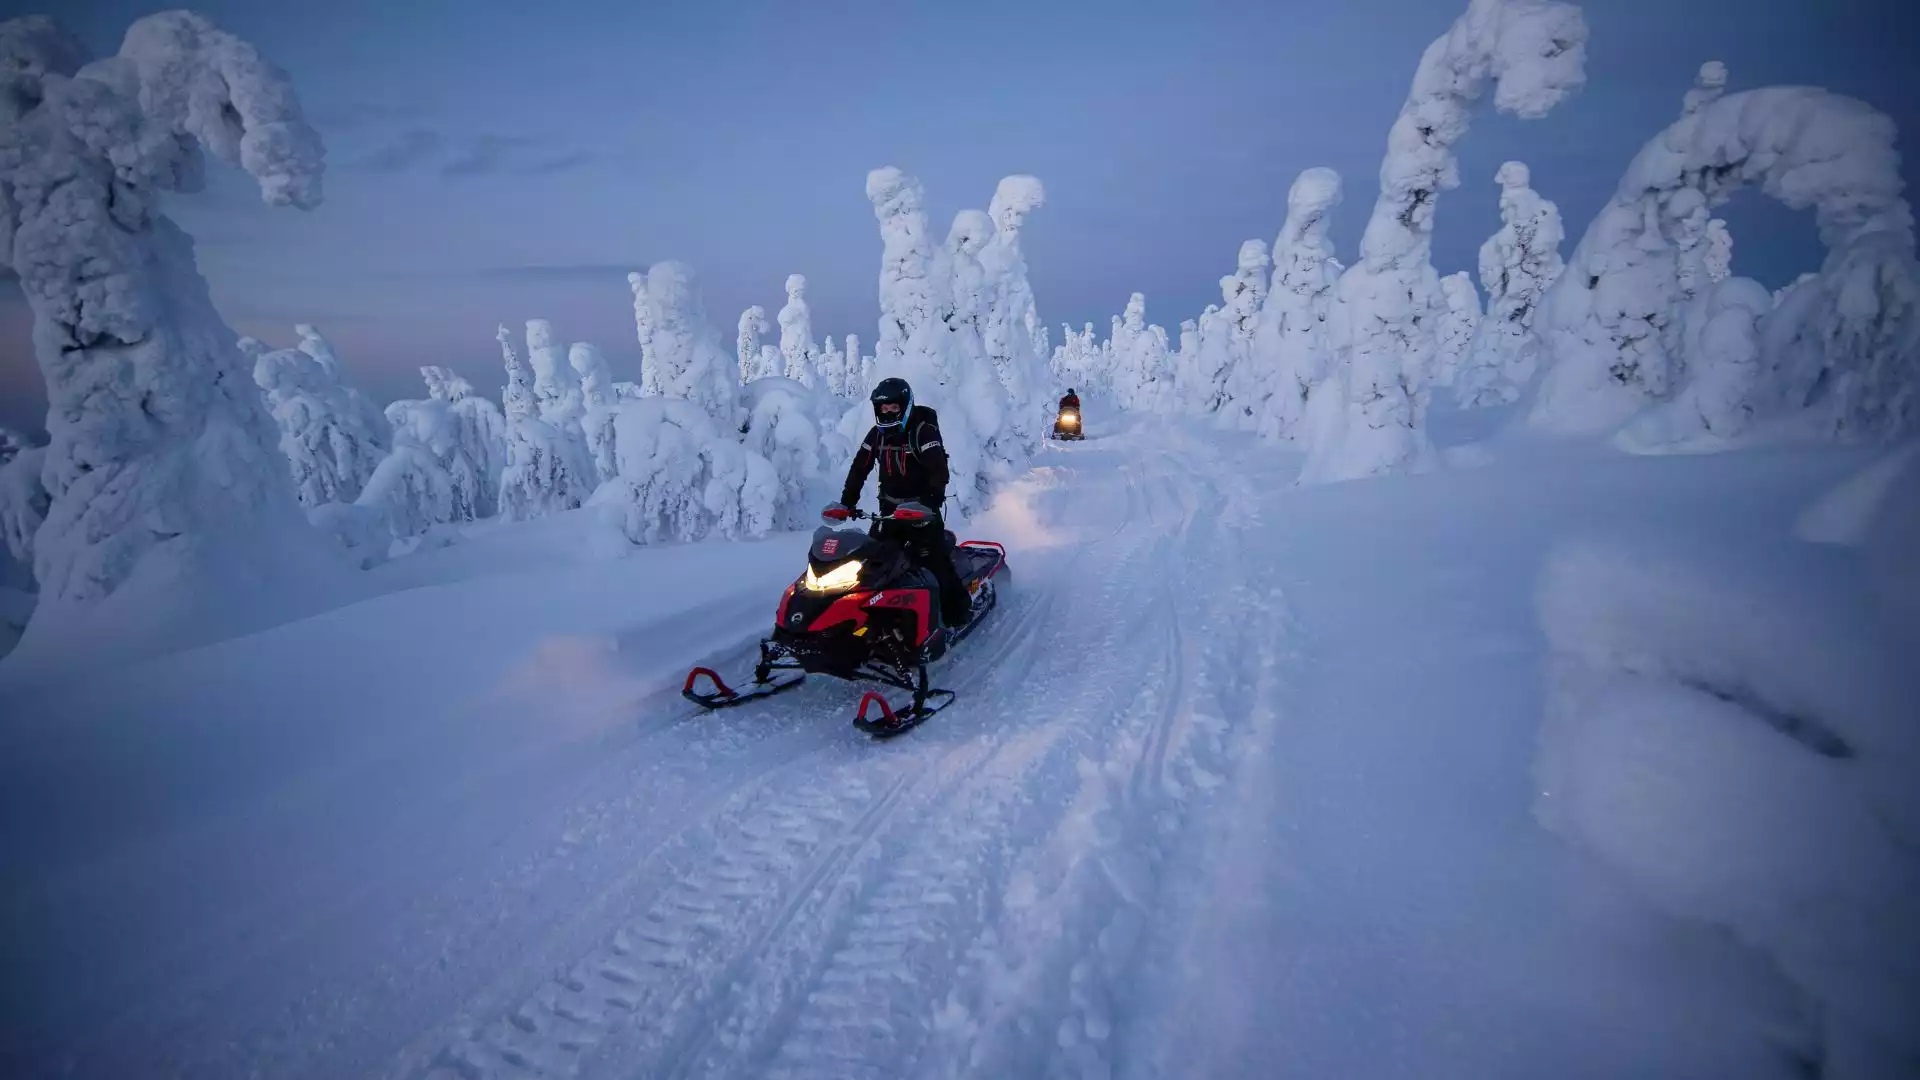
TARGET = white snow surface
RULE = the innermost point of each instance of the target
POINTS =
(1240, 773)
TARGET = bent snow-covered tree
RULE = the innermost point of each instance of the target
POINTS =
(1247, 376)
(1291, 339)
(1390, 302)
(1839, 349)
(163, 464)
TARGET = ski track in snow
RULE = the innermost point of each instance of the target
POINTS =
(871, 909)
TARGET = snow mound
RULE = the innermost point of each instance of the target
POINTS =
(1743, 752)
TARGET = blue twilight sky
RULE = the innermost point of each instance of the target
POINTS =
(491, 161)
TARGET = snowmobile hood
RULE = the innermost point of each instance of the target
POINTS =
(831, 545)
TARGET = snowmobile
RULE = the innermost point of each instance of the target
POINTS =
(864, 612)
(1067, 424)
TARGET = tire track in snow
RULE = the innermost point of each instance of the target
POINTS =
(654, 967)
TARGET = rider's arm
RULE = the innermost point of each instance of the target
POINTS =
(857, 472)
(927, 446)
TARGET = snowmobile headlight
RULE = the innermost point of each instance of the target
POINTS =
(1070, 418)
(844, 576)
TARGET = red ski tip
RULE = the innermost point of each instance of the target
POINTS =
(873, 697)
(719, 687)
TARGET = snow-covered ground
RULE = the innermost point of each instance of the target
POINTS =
(1245, 780)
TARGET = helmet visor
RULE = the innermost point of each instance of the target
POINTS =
(888, 412)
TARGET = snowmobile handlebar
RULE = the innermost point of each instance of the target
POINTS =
(905, 513)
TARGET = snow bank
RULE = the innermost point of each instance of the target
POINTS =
(1731, 736)
(1390, 301)
(1839, 348)
(162, 470)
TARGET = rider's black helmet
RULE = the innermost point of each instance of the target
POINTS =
(892, 401)
(1069, 391)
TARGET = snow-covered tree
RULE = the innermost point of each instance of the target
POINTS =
(1708, 87)
(1719, 256)
(1839, 349)
(1517, 266)
(681, 355)
(1292, 339)
(916, 304)
(643, 332)
(971, 232)
(1457, 327)
(1390, 301)
(681, 477)
(784, 426)
(331, 445)
(427, 480)
(597, 394)
(543, 473)
(796, 333)
(1723, 351)
(1077, 360)
(1015, 340)
(1249, 378)
(556, 386)
(859, 369)
(23, 499)
(162, 467)
(368, 416)
(479, 428)
(746, 350)
(1137, 362)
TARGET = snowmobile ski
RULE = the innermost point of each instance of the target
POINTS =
(723, 696)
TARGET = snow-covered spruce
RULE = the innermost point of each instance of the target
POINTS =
(1137, 361)
(681, 355)
(1291, 340)
(682, 477)
(797, 349)
(1517, 266)
(1245, 380)
(427, 480)
(556, 386)
(916, 306)
(1076, 360)
(544, 472)
(598, 400)
(643, 332)
(1837, 354)
(746, 348)
(23, 499)
(331, 444)
(1721, 330)
(162, 467)
(1458, 325)
(479, 427)
(1390, 301)
(1719, 255)
(1015, 339)
(969, 234)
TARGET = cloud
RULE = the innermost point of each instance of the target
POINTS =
(560, 272)
(481, 155)
(416, 146)
(485, 154)
(560, 163)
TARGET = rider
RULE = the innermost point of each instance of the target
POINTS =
(1071, 401)
(905, 440)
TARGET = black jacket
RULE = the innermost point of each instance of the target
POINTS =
(1071, 401)
(913, 463)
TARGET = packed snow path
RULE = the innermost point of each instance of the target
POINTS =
(1225, 793)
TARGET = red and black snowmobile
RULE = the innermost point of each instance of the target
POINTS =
(863, 611)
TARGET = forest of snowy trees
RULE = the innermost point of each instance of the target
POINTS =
(1641, 334)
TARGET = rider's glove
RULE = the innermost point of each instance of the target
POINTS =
(836, 512)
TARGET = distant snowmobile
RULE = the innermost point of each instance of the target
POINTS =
(1066, 425)
(863, 611)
